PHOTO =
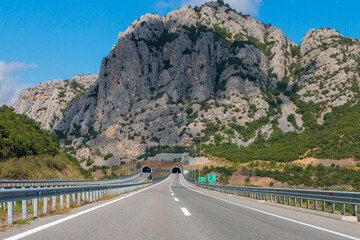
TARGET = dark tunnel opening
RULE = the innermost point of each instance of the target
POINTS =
(146, 169)
(176, 170)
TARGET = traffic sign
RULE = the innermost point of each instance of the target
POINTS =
(201, 179)
(211, 178)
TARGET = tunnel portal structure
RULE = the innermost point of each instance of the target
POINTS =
(176, 170)
(146, 169)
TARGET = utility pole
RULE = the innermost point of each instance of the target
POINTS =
(200, 155)
(195, 161)
(119, 167)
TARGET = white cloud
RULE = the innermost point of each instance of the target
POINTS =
(9, 89)
(244, 6)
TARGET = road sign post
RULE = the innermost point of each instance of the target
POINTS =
(211, 178)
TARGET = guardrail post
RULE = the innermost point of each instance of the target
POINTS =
(283, 200)
(355, 210)
(78, 199)
(289, 200)
(73, 199)
(315, 205)
(24, 209)
(307, 203)
(301, 202)
(53, 202)
(87, 197)
(10, 212)
(45, 205)
(91, 197)
(323, 206)
(35, 206)
(343, 209)
(295, 200)
(333, 207)
(61, 201)
(67, 200)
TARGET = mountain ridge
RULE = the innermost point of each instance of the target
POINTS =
(209, 71)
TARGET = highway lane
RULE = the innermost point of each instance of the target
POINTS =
(173, 209)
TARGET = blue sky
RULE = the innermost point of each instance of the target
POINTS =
(42, 40)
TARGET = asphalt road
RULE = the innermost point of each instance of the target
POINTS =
(173, 209)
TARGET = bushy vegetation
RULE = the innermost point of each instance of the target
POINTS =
(336, 138)
(21, 136)
(249, 131)
(29, 152)
(313, 176)
(225, 172)
(109, 155)
(221, 34)
(42, 167)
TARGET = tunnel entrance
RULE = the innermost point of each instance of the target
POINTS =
(176, 170)
(146, 169)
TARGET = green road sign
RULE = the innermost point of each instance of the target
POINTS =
(212, 178)
(201, 179)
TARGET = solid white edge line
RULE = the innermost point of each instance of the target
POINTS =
(40, 228)
(176, 199)
(185, 212)
(278, 216)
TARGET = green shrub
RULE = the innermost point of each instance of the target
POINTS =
(107, 156)
(21, 136)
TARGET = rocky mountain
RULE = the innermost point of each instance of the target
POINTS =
(48, 101)
(207, 71)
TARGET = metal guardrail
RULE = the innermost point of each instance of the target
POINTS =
(31, 193)
(295, 197)
(155, 180)
(22, 183)
(80, 194)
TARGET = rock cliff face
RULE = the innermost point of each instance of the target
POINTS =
(48, 102)
(206, 71)
(330, 68)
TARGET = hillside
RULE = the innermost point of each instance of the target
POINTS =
(29, 152)
(47, 102)
(212, 73)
